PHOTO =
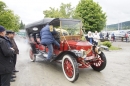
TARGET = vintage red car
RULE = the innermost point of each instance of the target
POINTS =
(74, 53)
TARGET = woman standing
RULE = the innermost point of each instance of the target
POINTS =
(89, 37)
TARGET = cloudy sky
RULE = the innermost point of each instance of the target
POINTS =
(32, 10)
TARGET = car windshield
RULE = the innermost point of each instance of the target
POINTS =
(71, 27)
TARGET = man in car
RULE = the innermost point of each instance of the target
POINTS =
(6, 63)
(48, 39)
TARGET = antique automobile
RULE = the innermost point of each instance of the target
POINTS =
(73, 54)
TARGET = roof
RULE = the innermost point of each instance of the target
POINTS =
(48, 21)
(40, 22)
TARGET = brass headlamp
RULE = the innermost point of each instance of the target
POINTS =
(98, 50)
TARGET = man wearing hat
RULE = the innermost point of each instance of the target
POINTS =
(10, 34)
(6, 63)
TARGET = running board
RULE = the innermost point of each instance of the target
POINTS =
(45, 55)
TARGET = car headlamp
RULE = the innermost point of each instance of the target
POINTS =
(80, 53)
(98, 50)
(83, 53)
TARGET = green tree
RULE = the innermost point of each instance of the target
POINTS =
(65, 11)
(75, 15)
(93, 18)
(7, 18)
(52, 13)
(22, 26)
(2, 6)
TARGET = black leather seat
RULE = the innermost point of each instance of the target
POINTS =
(32, 43)
(31, 38)
(38, 39)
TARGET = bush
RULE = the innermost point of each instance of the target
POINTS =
(107, 43)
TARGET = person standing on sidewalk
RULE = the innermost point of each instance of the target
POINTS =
(113, 37)
(6, 63)
(96, 38)
(126, 37)
(9, 35)
(89, 37)
(14, 46)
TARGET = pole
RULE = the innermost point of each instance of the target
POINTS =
(118, 26)
(121, 25)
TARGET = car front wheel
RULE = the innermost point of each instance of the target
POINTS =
(100, 63)
(70, 68)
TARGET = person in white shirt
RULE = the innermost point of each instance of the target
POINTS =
(96, 37)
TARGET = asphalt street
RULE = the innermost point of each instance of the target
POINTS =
(40, 73)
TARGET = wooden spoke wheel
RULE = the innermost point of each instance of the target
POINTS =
(70, 68)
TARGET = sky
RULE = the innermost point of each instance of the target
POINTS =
(32, 10)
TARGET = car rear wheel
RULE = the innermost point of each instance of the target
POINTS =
(32, 56)
(70, 68)
(100, 63)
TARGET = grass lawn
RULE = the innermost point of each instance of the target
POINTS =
(114, 48)
(109, 43)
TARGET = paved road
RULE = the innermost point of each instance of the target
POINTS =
(40, 73)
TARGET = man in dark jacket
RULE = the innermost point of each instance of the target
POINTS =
(10, 45)
(11, 35)
(48, 39)
(6, 63)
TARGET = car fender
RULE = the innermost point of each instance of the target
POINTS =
(60, 56)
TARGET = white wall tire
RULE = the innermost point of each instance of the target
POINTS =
(70, 68)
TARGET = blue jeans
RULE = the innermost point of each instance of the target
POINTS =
(50, 49)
